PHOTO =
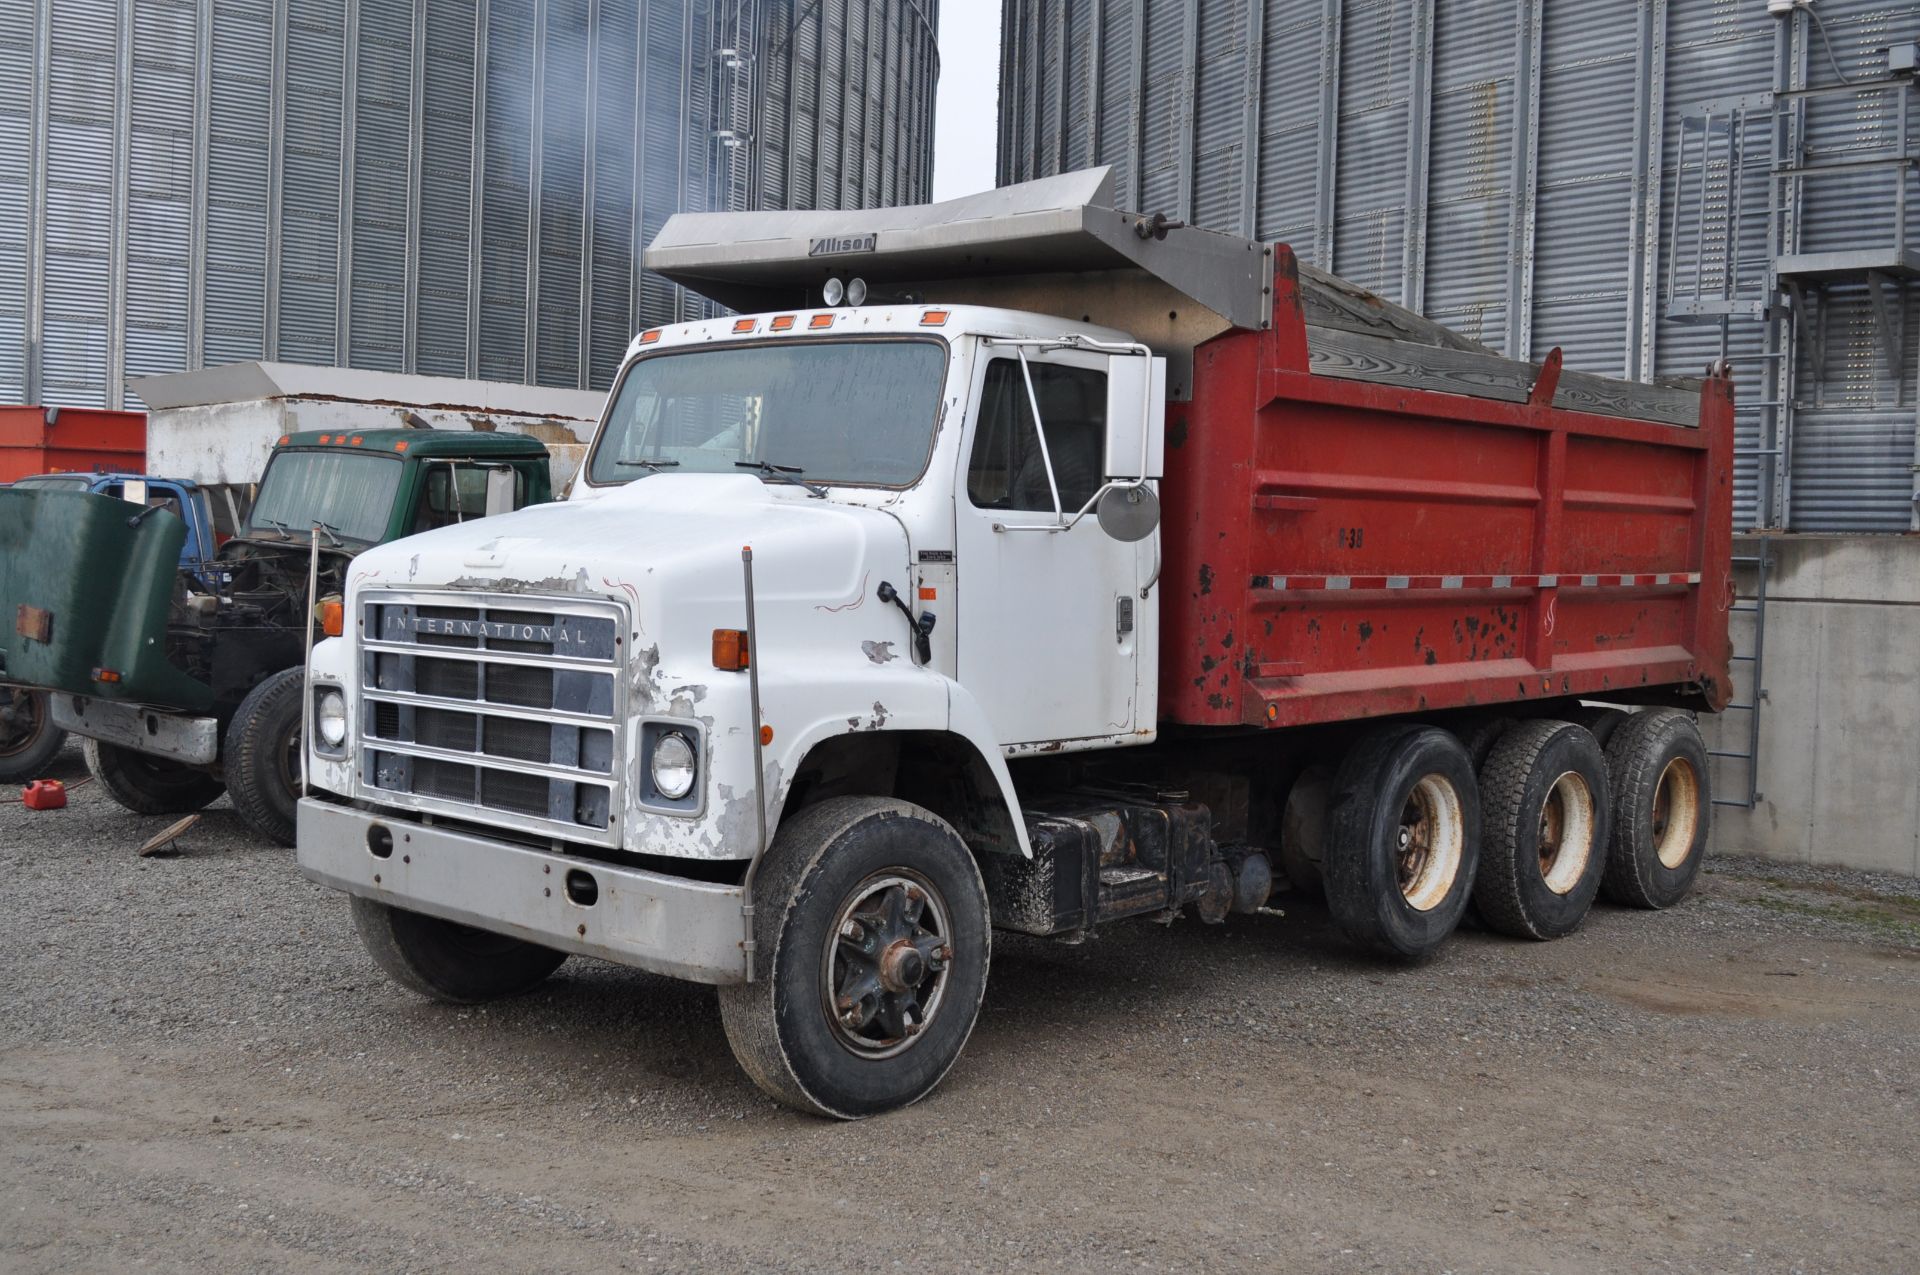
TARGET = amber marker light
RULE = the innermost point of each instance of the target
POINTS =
(783, 323)
(743, 325)
(730, 650)
(106, 675)
(333, 616)
(934, 319)
(400, 446)
(648, 338)
(820, 321)
(766, 736)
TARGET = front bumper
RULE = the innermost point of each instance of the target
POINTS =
(156, 732)
(684, 929)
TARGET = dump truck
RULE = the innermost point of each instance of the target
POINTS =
(28, 737)
(184, 678)
(1021, 563)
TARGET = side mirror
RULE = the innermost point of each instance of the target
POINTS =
(500, 486)
(1136, 416)
(1128, 513)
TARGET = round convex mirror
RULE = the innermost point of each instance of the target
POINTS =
(1128, 513)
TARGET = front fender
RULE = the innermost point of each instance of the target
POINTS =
(915, 701)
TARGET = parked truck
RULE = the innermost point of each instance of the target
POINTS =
(1067, 565)
(29, 739)
(183, 674)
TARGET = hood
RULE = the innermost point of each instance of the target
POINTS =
(670, 541)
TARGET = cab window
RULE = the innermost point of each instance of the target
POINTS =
(454, 493)
(1008, 469)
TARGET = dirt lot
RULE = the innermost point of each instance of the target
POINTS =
(199, 1070)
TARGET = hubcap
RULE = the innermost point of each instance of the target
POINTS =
(885, 967)
(1429, 843)
(1676, 812)
(1566, 833)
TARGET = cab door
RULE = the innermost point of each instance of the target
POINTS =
(1048, 628)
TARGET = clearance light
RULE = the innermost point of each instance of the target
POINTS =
(783, 323)
(820, 321)
(400, 446)
(356, 440)
(283, 440)
(934, 319)
(333, 616)
(648, 338)
(743, 325)
(730, 650)
(326, 438)
(106, 675)
(929, 594)
(766, 736)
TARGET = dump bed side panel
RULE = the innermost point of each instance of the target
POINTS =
(1339, 549)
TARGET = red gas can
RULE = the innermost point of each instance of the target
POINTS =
(44, 794)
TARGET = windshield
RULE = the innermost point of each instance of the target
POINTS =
(855, 412)
(352, 492)
(60, 482)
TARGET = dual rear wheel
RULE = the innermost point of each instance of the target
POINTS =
(1526, 822)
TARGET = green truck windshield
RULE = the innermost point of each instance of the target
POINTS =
(860, 413)
(351, 492)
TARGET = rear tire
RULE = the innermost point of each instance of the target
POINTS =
(1545, 799)
(864, 995)
(1662, 809)
(149, 785)
(1403, 840)
(28, 737)
(1479, 739)
(262, 756)
(448, 962)
(1303, 830)
(1599, 720)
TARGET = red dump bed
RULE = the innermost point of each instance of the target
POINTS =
(1341, 548)
(45, 440)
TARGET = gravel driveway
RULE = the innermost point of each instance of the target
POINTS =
(199, 1070)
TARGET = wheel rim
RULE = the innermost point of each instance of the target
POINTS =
(1676, 812)
(886, 963)
(20, 721)
(1566, 833)
(1430, 841)
(288, 759)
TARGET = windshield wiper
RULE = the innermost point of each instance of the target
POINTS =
(286, 532)
(649, 464)
(330, 530)
(770, 472)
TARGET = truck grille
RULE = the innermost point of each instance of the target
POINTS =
(497, 710)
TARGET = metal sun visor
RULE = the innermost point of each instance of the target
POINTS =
(1054, 246)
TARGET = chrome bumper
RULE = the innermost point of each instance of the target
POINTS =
(684, 929)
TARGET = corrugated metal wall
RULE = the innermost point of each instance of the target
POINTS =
(454, 187)
(1513, 168)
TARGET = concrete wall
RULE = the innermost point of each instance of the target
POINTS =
(1839, 756)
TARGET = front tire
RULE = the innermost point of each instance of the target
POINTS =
(448, 962)
(1403, 840)
(28, 737)
(871, 947)
(149, 785)
(262, 756)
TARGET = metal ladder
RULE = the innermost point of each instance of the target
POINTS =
(1761, 562)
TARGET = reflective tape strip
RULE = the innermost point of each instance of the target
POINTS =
(1316, 584)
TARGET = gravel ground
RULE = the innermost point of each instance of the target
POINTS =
(200, 1070)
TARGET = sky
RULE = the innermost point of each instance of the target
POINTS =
(966, 112)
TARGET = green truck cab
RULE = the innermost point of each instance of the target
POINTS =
(184, 686)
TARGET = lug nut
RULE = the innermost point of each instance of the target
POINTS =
(853, 930)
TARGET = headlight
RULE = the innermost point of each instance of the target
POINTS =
(330, 718)
(673, 766)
